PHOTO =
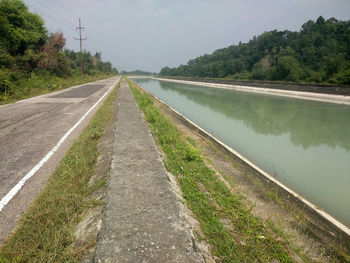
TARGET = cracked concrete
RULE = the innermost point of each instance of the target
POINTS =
(142, 220)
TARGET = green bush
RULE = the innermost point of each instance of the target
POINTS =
(341, 77)
(6, 88)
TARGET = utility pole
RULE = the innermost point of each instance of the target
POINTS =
(81, 46)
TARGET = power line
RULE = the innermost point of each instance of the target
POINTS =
(53, 12)
(58, 19)
(93, 44)
(89, 47)
(54, 19)
(66, 9)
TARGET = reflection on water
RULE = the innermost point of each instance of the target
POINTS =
(305, 143)
(309, 123)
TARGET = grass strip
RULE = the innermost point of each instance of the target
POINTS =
(234, 233)
(42, 84)
(46, 231)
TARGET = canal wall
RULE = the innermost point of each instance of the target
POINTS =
(331, 98)
(316, 88)
(322, 225)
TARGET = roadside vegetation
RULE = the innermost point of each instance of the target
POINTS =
(46, 231)
(318, 53)
(227, 223)
(34, 61)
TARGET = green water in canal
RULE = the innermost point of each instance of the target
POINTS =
(305, 144)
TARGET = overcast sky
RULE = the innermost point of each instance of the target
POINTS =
(151, 34)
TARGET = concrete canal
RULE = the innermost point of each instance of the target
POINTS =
(303, 144)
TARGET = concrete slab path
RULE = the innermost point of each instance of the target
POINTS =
(141, 220)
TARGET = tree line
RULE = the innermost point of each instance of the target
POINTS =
(319, 52)
(27, 48)
(138, 72)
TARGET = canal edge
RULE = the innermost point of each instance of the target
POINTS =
(333, 225)
(328, 98)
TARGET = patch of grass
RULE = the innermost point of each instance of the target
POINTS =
(234, 233)
(191, 141)
(45, 83)
(46, 231)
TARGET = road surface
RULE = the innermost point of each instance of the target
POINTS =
(29, 131)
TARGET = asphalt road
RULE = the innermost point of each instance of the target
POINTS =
(29, 130)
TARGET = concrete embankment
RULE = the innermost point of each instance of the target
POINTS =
(141, 218)
(314, 88)
(321, 224)
(332, 98)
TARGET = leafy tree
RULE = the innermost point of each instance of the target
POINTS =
(287, 68)
(26, 48)
(138, 72)
(319, 52)
(20, 29)
(52, 58)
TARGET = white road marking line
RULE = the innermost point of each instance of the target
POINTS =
(7, 198)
